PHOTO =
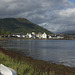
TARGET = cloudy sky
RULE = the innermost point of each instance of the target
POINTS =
(55, 15)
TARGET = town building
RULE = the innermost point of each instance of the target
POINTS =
(39, 35)
(44, 36)
(28, 35)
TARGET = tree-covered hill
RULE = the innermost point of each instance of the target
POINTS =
(20, 25)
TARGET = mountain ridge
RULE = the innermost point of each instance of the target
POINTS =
(69, 32)
(20, 25)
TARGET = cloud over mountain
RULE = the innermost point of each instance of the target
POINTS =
(55, 15)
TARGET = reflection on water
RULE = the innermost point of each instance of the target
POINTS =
(58, 51)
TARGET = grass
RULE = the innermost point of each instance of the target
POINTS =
(22, 68)
(27, 66)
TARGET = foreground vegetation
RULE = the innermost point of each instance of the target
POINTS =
(27, 66)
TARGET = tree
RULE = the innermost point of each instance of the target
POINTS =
(2, 32)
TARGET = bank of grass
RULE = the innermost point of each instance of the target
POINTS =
(27, 66)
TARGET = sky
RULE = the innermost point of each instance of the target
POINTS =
(54, 15)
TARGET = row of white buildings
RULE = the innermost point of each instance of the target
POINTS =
(37, 36)
(31, 35)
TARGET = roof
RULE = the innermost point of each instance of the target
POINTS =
(6, 70)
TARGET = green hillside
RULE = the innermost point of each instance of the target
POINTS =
(20, 25)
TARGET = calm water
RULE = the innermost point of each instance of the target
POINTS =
(56, 51)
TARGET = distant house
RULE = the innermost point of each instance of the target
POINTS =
(39, 35)
(13, 35)
(23, 36)
(18, 35)
(60, 37)
(44, 35)
(49, 36)
(33, 33)
(53, 37)
(28, 35)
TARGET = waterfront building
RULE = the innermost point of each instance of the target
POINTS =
(44, 35)
(28, 35)
(39, 35)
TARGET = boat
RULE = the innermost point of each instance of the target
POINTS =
(6, 70)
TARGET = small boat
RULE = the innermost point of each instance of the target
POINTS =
(6, 70)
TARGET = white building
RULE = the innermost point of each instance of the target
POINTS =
(44, 35)
(49, 36)
(39, 35)
(18, 35)
(28, 35)
(13, 35)
(33, 33)
(60, 37)
(23, 36)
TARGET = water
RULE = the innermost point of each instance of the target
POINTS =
(56, 51)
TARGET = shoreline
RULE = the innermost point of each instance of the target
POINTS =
(7, 38)
(41, 65)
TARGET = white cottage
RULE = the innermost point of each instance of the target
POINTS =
(39, 35)
(44, 35)
(33, 33)
(28, 35)
(60, 37)
(18, 35)
(23, 36)
(49, 36)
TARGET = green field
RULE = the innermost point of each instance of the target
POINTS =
(27, 66)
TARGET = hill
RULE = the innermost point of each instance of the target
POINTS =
(69, 32)
(20, 25)
(72, 32)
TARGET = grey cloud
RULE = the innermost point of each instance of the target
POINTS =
(47, 13)
(63, 20)
(19, 6)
